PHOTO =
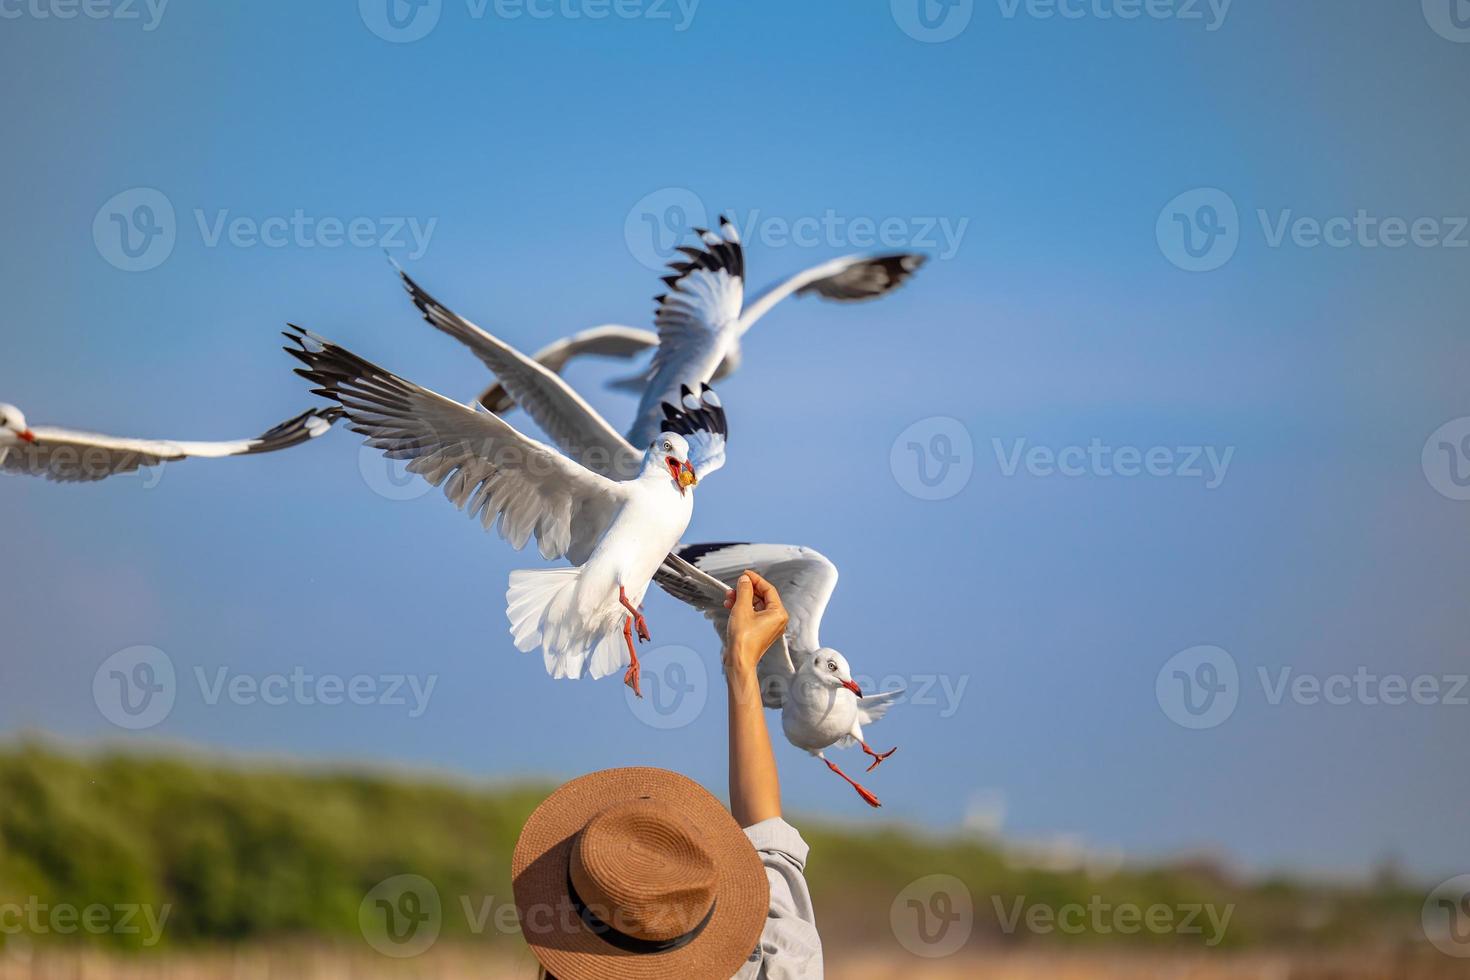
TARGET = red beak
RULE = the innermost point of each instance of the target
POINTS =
(852, 686)
(28, 436)
(682, 473)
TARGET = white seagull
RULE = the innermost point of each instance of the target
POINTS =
(820, 703)
(69, 456)
(701, 318)
(614, 533)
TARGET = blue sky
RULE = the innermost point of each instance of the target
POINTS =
(1050, 165)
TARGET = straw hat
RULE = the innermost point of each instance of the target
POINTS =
(632, 874)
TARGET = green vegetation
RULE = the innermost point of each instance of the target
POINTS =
(246, 853)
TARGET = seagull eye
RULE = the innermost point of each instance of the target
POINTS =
(668, 447)
(831, 665)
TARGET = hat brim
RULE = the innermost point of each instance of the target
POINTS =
(571, 951)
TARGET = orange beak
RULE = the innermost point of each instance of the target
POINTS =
(852, 686)
(28, 436)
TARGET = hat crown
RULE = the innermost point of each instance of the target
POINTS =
(642, 868)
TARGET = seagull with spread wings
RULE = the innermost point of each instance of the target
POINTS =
(71, 456)
(614, 533)
(701, 318)
(812, 685)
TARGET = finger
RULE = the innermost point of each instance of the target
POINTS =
(743, 591)
(765, 590)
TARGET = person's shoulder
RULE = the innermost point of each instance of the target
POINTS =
(775, 835)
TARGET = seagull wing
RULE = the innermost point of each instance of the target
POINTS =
(572, 424)
(690, 585)
(69, 456)
(485, 466)
(608, 340)
(850, 279)
(871, 707)
(804, 577)
(700, 419)
(695, 587)
(696, 321)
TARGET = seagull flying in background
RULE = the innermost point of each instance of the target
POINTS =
(69, 456)
(701, 318)
(614, 533)
(821, 705)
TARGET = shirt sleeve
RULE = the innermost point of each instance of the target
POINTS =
(790, 948)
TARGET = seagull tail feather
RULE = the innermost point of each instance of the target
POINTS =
(539, 605)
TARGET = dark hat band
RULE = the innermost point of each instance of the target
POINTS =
(622, 940)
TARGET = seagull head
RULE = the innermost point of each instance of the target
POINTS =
(830, 669)
(670, 452)
(13, 420)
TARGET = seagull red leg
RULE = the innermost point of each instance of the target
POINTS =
(868, 798)
(630, 678)
(877, 756)
(642, 623)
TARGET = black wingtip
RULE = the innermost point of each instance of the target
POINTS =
(709, 416)
(693, 552)
(713, 253)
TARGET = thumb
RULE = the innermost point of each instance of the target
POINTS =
(743, 592)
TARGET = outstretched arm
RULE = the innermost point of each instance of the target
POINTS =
(757, 619)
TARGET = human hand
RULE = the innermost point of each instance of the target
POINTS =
(757, 619)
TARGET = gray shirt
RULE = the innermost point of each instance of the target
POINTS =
(790, 948)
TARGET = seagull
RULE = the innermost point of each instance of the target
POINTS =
(69, 456)
(812, 685)
(701, 318)
(614, 533)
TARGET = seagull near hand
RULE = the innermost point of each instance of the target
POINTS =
(812, 685)
(69, 456)
(700, 319)
(614, 533)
